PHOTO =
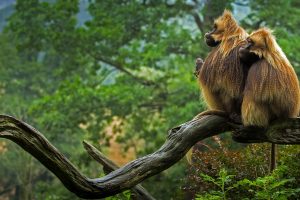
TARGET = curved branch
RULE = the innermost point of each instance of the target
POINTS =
(108, 166)
(38, 146)
(179, 141)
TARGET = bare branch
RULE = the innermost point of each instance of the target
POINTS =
(178, 142)
(108, 166)
(284, 132)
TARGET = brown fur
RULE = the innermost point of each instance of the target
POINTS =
(272, 88)
(222, 75)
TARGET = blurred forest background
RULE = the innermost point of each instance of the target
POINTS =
(120, 74)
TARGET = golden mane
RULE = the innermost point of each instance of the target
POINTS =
(222, 69)
(233, 34)
(269, 49)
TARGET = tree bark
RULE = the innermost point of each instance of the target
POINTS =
(179, 140)
(138, 192)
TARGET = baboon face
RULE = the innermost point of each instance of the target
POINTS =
(258, 44)
(224, 27)
(209, 39)
(246, 53)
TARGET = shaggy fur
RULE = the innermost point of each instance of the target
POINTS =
(222, 75)
(272, 88)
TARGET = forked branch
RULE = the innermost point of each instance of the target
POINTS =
(178, 142)
(138, 192)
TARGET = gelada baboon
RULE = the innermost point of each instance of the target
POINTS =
(222, 75)
(271, 89)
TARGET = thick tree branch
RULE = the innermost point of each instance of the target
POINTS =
(108, 166)
(179, 141)
(284, 132)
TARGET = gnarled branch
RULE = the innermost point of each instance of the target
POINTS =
(108, 166)
(179, 141)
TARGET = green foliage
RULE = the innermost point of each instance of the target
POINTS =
(126, 195)
(251, 177)
(264, 188)
(289, 157)
(284, 22)
(131, 61)
(220, 182)
(212, 156)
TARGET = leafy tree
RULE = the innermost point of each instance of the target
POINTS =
(131, 61)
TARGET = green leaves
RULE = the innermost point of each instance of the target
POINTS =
(221, 182)
(132, 61)
(264, 188)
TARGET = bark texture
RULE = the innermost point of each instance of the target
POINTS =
(179, 140)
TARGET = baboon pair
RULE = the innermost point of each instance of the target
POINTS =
(248, 76)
